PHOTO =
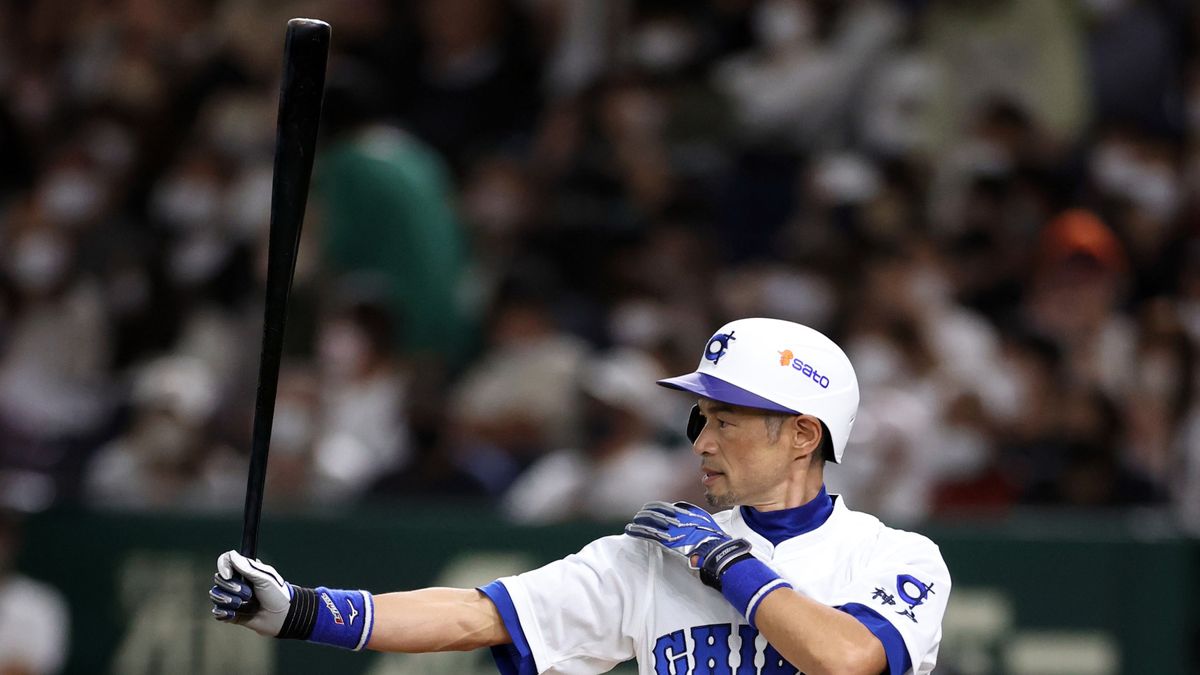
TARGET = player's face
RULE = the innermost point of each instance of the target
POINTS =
(741, 462)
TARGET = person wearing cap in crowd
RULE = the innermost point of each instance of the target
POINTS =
(785, 579)
(619, 463)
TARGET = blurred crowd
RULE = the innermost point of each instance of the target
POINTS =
(525, 211)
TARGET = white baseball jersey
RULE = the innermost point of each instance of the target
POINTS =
(622, 598)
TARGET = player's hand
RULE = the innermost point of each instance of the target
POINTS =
(691, 532)
(250, 593)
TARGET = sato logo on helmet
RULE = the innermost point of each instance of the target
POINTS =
(787, 358)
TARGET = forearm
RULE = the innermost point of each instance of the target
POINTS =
(816, 638)
(436, 620)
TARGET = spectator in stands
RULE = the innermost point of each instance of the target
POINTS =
(619, 463)
(388, 207)
(362, 425)
(518, 400)
(34, 617)
(55, 378)
(168, 458)
(992, 201)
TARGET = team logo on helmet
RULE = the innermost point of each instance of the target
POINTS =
(717, 346)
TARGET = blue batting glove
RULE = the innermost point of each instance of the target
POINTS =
(725, 563)
(688, 530)
(251, 593)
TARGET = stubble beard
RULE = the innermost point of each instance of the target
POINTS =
(720, 502)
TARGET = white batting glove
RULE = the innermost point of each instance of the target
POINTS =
(250, 593)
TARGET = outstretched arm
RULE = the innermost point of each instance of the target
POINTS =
(436, 620)
(253, 594)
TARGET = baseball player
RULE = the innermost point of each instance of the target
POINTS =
(783, 578)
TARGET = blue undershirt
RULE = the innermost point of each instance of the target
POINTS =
(779, 526)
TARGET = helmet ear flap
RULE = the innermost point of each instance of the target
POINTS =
(696, 422)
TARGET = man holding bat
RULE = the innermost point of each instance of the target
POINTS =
(781, 578)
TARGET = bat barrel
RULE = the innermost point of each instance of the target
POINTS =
(305, 53)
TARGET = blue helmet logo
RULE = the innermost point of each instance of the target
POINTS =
(717, 346)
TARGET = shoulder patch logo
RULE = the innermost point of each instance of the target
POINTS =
(913, 592)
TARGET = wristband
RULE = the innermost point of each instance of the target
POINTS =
(746, 581)
(330, 617)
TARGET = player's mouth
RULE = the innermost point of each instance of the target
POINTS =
(708, 476)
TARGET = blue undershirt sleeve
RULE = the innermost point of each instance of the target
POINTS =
(515, 658)
(899, 662)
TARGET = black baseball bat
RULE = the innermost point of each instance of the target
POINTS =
(305, 53)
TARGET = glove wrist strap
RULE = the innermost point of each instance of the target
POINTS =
(301, 616)
(720, 558)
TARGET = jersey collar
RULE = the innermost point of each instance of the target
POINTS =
(779, 526)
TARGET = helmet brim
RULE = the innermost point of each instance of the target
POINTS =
(703, 384)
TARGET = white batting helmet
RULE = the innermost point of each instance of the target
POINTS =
(781, 366)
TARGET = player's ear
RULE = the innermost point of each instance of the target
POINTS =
(805, 433)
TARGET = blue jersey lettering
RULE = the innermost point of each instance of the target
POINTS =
(670, 654)
(748, 650)
(711, 654)
(774, 664)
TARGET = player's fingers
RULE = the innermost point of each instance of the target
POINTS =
(661, 507)
(235, 585)
(225, 565)
(242, 610)
(643, 532)
(219, 597)
(226, 583)
(223, 614)
(692, 512)
(241, 565)
(650, 532)
(664, 519)
(655, 519)
(224, 600)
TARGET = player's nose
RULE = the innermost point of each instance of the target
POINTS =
(705, 443)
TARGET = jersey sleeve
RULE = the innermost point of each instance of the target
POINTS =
(901, 597)
(575, 615)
